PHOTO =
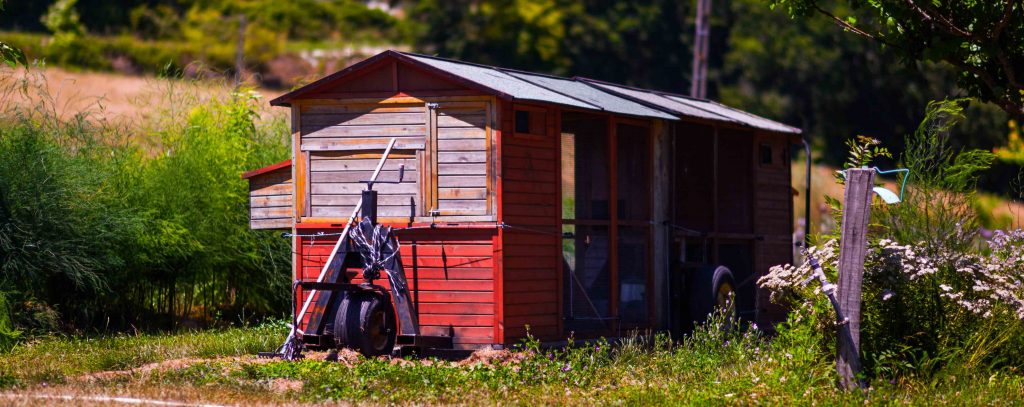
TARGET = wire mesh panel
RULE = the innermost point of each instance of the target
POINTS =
(586, 249)
(588, 277)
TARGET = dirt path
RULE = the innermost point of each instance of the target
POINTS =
(69, 399)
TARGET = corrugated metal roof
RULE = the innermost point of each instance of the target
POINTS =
(660, 101)
(499, 81)
(736, 114)
(581, 91)
(578, 93)
(692, 107)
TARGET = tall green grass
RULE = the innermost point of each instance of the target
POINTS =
(113, 226)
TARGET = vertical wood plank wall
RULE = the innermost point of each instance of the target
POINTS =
(531, 247)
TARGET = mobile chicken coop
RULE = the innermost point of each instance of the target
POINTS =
(524, 203)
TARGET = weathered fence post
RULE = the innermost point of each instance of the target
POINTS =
(852, 250)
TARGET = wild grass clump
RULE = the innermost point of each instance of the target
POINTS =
(109, 226)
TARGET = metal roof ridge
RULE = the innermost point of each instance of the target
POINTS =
(671, 95)
(511, 71)
(503, 71)
(741, 111)
(717, 103)
(627, 97)
(454, 61)
(656, 93)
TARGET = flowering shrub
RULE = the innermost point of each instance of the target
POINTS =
(922, 301)
(783, 282)
(980, 283)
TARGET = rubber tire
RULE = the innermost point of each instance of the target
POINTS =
(704, 290)
(342, 315)
(359, 315)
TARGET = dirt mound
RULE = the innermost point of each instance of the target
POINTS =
(170, 364)
(492, 357)
(165, 365)
(282, 385)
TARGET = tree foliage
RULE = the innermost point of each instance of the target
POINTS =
(644, 43)
(10, 55)
(982, 39)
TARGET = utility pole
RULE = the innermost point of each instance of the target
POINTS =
(240, 50)
(699, 79)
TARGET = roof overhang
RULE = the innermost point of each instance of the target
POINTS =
(575, 93)
(269, 168)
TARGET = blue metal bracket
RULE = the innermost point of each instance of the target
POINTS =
(888, 196)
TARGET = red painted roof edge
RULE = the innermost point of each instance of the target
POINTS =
(264, 170)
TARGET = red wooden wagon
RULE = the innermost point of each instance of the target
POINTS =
(532, 203)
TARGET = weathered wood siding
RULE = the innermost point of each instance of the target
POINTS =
(270, 200)
(532, 247)
(450, 273)
(460, 145)
(340, 126)
(335, 185)
(445, 151)
(344, 142)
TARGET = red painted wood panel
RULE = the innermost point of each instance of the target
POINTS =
(531, 258)
(515, 285)
(537, 330)
(544, 308)
(450, 274)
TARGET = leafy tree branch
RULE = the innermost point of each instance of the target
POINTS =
(982, 40)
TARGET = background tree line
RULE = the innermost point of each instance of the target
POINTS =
(804, 72)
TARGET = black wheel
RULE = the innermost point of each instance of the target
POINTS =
(345, 313)
(712, 287)
(366, 323)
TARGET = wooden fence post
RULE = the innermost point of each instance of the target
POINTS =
(852, 250)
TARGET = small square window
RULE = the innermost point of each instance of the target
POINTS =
(766, 154)
(522, 121)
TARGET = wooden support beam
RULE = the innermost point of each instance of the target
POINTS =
(853, 249)
(661, 197)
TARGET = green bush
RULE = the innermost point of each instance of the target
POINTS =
(108, 227)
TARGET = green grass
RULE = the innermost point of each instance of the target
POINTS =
(712, 367)
(56, 359)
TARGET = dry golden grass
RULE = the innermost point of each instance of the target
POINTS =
(105, 95)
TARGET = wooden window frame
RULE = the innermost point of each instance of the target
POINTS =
(429, 181)
(532, 110)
